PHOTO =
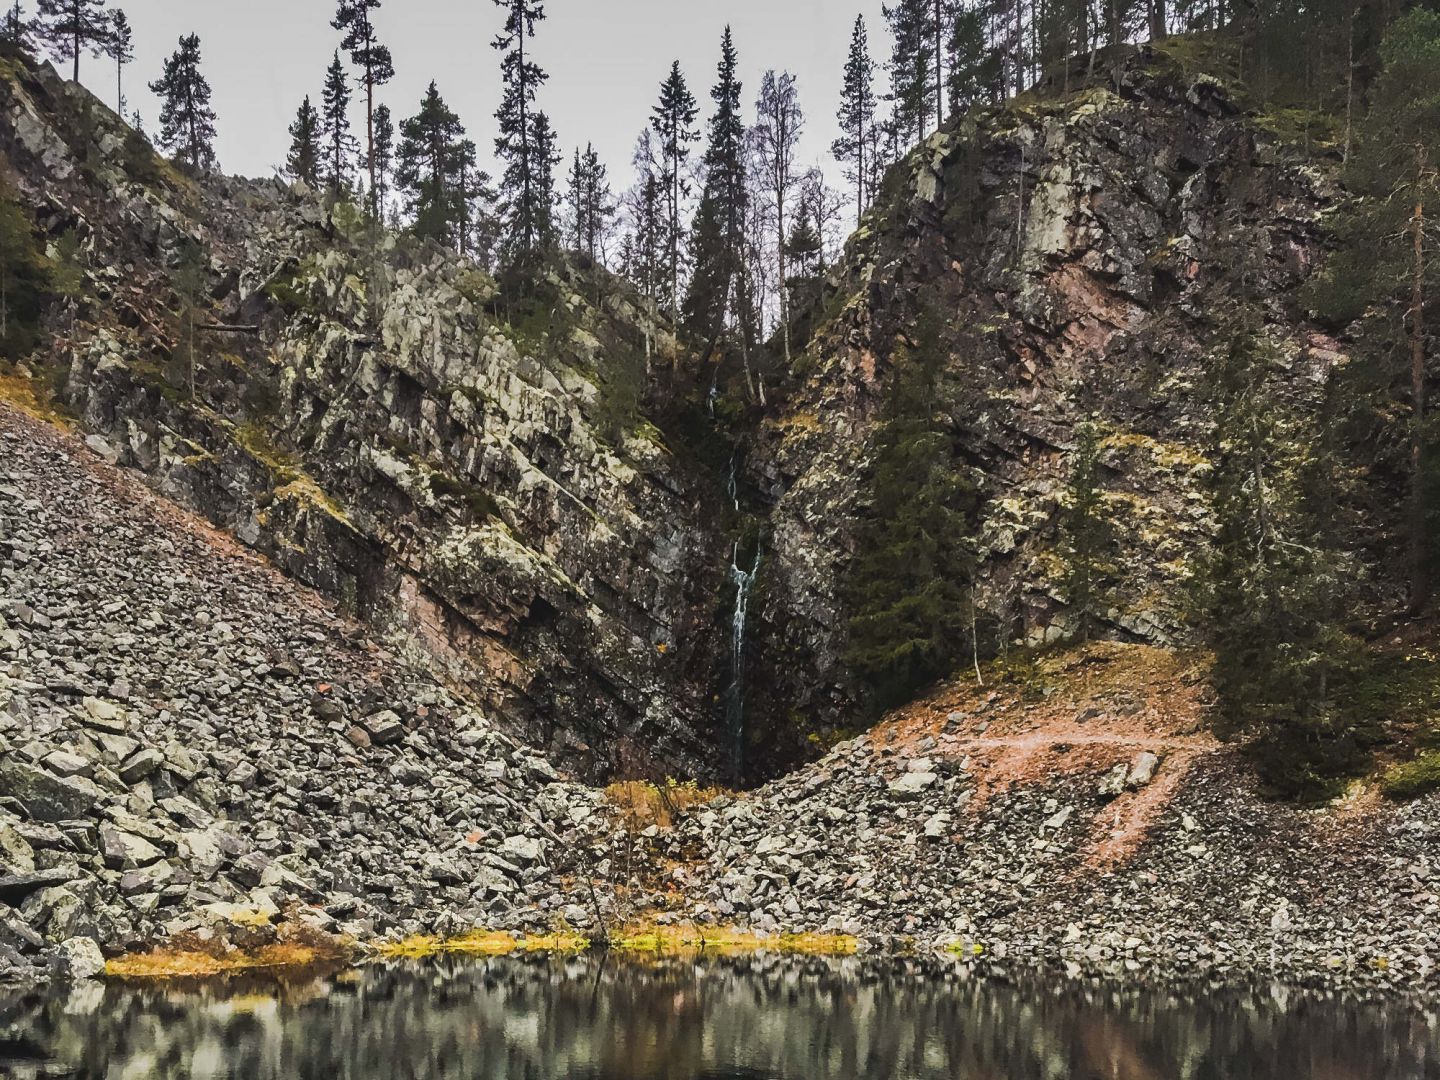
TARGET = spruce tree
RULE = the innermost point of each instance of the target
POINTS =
(377, 68)
(303, 162)
(428, 166)
(187, 123)
(191, 284)
(589, 202)
(339, 145)
(1271, 584)
(673, 121)
(912, 64)
(719, 298)
(857, 114)
(1087, 535)
(974, 62)
(907, 589)
(23, 279)
(546, 155)
(15, 29)
(121, 49)
(1385, 268)
(479, 232)
(384, 156)
(526, 202)
(776, 137)
(70, 27)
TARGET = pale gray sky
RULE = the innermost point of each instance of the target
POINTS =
(605, 58)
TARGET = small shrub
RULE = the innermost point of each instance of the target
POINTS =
(641, 804)
(1414, 778)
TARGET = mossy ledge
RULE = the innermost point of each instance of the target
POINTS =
(635, 940)
(191, 957)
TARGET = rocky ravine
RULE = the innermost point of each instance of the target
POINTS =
(184, 733)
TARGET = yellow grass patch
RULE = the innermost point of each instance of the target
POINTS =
(483, 943)
(188, 963)
(31, 397)
(695, 939)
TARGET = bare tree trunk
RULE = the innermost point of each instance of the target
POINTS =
(1350, 85)
(939, 64)
(1419, 584)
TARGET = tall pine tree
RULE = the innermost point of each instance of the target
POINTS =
(121, 49)
(857, 115)
(720, 297)
(907, 587)
(15, 28)
(913, 65)
(70, 27)
(303, 162)
(590, 203)
(339, 145)
(377, 68)
(776, 135)
(673, 121)
(1272, 584)
(187, 123)
(428, 170)
(526, 202)
(1386, 268)
(384, 156)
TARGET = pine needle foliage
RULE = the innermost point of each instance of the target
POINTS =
(908, 588)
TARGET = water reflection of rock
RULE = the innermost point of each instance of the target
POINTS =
(589, 1019)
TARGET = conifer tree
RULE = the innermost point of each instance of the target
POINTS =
(673, 121)
(191, 286)
(121, 49)
(857, 115)
(778, 126)
(428, 166)
(339, 145)
(913, 64)
(590, 205)
(974, 61)
(23, 279)
(907, 588)
(1271, 583)
(720, 296)
(1386, 264)
(15, 28)
(187, 123)
(377, 68)
(384, 153)
(70, 27)
(526, 196)
(546, 194)
(303, 162)
(1087, 535)
(67, 283)
(478, 228)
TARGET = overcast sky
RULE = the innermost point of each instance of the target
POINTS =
(605, 58)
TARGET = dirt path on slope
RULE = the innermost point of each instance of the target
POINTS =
(1087, 712)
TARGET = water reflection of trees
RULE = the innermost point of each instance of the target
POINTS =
(593, 1019)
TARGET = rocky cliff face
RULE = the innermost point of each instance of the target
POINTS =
(1079, 256)
(468, 476)
(481, 481)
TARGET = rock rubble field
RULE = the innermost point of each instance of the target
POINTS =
(190, 739)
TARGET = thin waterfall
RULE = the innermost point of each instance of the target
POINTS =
(744, 581)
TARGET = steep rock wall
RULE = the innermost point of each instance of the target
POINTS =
(389, 436)
(1080, 257)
